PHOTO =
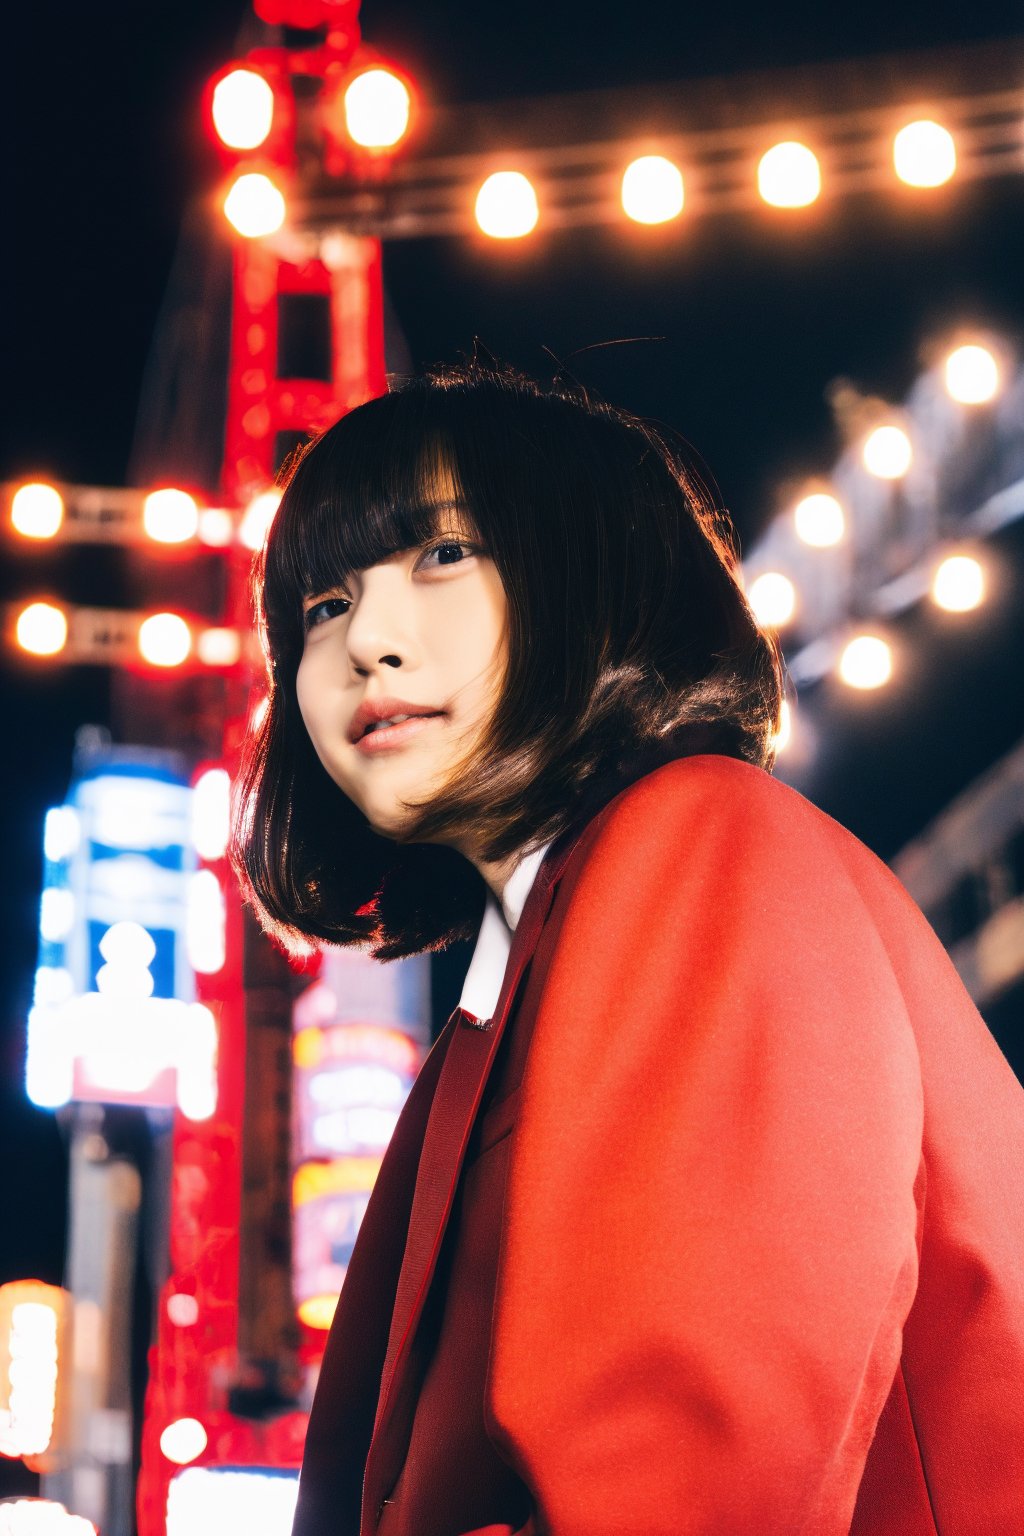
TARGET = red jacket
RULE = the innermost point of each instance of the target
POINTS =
(716, 1229)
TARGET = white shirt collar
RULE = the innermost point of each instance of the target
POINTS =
(486, 972)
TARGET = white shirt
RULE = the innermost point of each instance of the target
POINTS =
(486, 972)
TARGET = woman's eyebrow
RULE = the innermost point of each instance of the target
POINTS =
(318, 592)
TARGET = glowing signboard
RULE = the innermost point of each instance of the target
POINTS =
(114, 1017)
(357, 1047)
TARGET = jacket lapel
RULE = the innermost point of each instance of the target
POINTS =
(463, 1076)
(460, 1086)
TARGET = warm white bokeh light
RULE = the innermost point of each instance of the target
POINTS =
(972, 375)
(165, 640)
(773, 599)
(183, 1440)
(42, 629)
(652, 190)
(866, 662)
(887, 453)
(789, 176)
(182, 1309)
(258, 516)
(37, 510)
(216, 527)
(317, 1311)
(219, 647)
(254, 206)
(170, 517)
(781, 738)
(819, 520)
(243, 109)
(959, 584)
(377, 106)
(506, 206)
(924, 154)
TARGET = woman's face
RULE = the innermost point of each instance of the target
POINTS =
(422, 633)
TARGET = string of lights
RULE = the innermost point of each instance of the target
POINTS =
(893, 523)
(366, 189)
(825, 558)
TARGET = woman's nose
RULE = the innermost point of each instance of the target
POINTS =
(379, 631)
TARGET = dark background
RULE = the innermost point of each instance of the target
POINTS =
(757, 317)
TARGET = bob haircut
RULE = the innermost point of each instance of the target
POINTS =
(626, 625)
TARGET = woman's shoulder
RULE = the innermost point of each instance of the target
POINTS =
(719, 790)
(719, 802)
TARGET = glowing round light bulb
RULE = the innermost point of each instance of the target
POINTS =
(182, 1309)
(377, 106)
(37, 510)
(819, 520)
(972, 375)
(506, 206)
(317, 1311)
(219, 647)
(773, 599)
(789, 176)
(866, 662)
(170, 517)
(259, 515)
(216, 527)
(652, 190)
(165, 640)
(254, 206)
(183, 1440)
(958, 584)
(243, 109)
(781, 738)
(42, 629)
(924, 154)
(887, 453)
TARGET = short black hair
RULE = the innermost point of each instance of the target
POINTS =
(627, 621)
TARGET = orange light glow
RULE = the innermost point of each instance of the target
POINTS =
(783, 736)
(377, 108)
(506, 206)
(37, 510)
(924, 154)
(866, 662)
(972, 375)
(958, 584)
(170, 516)
(888, 453)
(165, 640)
(219, 647)
(789, 176)
(317, 1311)
(652, 190)
(42, 629)
(255, 206)
(183, 1440)
(819, 520)
(773, 599)
(216, 527)
(258, 516)
(243, 109)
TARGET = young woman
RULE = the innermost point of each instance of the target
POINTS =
(703, 1214)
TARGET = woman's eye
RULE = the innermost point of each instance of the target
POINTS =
(327, 608)
(451, 552)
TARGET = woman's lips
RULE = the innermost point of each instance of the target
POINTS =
(388, 738)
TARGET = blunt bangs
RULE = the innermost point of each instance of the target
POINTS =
(354, 496)
(630, 641)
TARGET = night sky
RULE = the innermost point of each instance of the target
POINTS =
(108, 153)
